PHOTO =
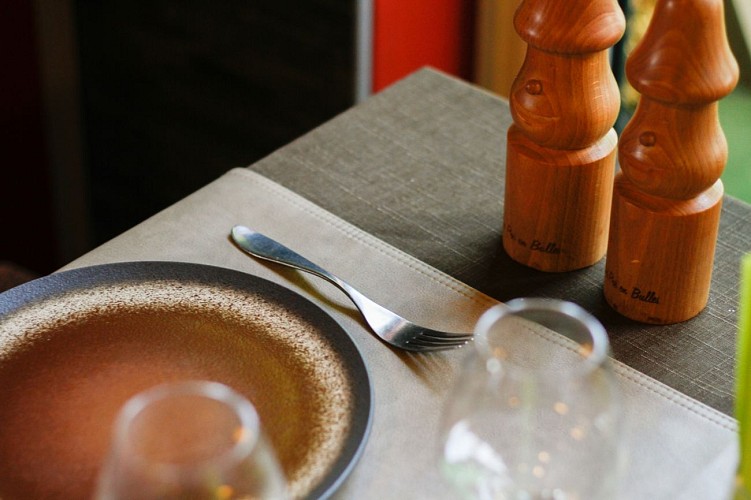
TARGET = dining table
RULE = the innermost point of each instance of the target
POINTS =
(402, 196)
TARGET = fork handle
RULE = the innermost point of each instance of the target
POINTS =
(263, 247)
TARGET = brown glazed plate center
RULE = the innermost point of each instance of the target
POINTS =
(75, 345)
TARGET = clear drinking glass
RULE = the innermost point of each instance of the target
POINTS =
(535, 412)
(190, 439)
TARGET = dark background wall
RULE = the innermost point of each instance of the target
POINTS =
(25, 197)
(176, 92)
(147, 101)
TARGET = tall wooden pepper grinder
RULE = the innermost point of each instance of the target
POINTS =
(667, 197)
(560, 157)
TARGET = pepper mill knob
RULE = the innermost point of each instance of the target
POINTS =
(565, 96)
(668, 196)
(674, 146)
(560, 156)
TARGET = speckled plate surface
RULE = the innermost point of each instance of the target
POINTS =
(76, 344)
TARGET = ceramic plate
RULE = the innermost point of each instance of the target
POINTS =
(75, 345)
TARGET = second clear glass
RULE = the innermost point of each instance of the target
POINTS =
(535, 413)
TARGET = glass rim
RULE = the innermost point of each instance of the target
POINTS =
(216, 391)
(597, 356)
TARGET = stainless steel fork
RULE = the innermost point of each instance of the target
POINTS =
(386, 324)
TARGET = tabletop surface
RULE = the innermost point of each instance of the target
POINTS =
(419, 169)
(421, 166)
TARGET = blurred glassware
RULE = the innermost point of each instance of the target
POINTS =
(743, 383)
(191, 439)
(535, 413)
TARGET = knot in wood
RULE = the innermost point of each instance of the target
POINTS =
(533, 87)
(647, 139)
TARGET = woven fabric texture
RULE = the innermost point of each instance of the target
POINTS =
(421, 166)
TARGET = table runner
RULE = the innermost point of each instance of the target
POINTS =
(421, 166)
(679, 447)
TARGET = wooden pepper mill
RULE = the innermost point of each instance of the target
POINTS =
(667, 197)
(560, 157)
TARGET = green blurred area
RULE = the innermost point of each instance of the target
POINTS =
(735, 117)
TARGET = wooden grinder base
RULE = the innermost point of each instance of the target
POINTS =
(660, 256)
(557, 203)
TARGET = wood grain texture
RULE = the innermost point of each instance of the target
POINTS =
(673, 151)
(564, 103)
(571, 27)
(660, 254)
(667, 201)
(584, 175)
(674, 145)
(684, 56)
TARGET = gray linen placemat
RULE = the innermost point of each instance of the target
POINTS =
(421, 166)
(679, 448)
